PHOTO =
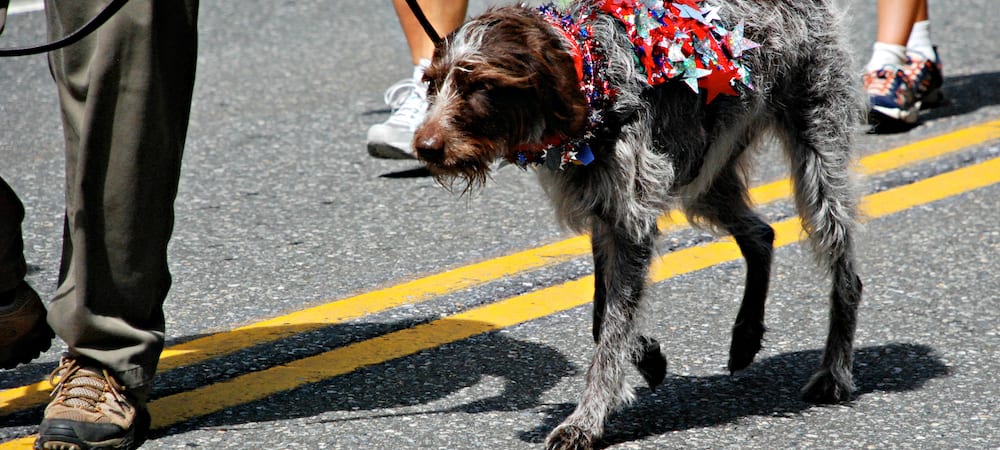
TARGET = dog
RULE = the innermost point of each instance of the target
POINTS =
(628, 108)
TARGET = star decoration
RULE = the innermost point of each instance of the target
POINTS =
(703, 47)
(675, 52)
(712, 14)
(690, 73)
(671, 40)
(738, 44)
(691, 13)
(715, 83)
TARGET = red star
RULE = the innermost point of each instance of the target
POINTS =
(718, 82)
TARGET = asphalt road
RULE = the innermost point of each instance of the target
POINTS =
(281, 209)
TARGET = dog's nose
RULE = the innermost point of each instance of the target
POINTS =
(428, 143)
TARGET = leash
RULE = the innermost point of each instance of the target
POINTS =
(426, 24)
(89, 27)
(115, 5)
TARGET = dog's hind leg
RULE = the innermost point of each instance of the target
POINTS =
(648, 359)
(623, 262)
(726, 206)
(818, 128)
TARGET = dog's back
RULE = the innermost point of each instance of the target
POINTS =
(802, 65)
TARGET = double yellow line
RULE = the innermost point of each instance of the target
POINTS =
(182, 406)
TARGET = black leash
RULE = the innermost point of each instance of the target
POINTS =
(426, 24)
(89, 27)
(115, 5)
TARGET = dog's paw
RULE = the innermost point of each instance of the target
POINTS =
(569, 437)
(826, 388)
(747, 337)
(652, 364)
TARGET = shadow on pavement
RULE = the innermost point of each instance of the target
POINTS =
(767, 388)
(527, 371)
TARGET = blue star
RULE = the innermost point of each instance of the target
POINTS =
(691, 13)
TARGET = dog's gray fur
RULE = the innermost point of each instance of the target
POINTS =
(666, 147)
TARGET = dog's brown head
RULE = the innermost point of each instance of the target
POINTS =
(504, 79)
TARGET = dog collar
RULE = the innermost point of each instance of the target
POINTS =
(558, 151)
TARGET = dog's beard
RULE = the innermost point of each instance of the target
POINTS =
(468, 164)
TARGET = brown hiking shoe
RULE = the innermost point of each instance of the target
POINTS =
(24, 333)
(89, 410)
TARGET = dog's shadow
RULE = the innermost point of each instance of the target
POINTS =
(520, 373)
(517, 374)
(767, 388)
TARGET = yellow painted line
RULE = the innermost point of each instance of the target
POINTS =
(177, 408)
(533, 305)
(426, 288)
(930, 148)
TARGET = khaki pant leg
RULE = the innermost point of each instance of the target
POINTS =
(125, 94)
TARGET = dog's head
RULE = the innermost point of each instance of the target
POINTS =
(502, 80)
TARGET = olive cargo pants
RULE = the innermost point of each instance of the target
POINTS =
(125, 95)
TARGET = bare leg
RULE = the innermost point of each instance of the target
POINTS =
(444, 15)
(895, 18)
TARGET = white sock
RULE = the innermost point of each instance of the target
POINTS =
(920, 39)
(886, 55)
(418, 70)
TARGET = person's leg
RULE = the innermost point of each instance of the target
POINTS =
(895, 20)
(444, 15)
(924, 68)
(24, 333)
(890, 91)
(919, 38)
(407, 98)
(922, 13)
(12, 266)
(125, 95)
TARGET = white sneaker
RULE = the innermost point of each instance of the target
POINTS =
(393, 139)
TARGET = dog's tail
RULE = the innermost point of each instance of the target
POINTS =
(830, 111)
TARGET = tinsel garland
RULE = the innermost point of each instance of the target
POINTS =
(672, 40)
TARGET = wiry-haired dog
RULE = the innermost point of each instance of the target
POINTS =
(629, 108)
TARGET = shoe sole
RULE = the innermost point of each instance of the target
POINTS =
(907, 116)
(64, 437)
(32, 344)
(384, 150)
(931, 99)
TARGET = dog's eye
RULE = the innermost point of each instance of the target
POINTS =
(480, 87)
(432, 88)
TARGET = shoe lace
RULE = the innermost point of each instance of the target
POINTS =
(880, 81)
(397, 94)
(81, 387)
(408, 100)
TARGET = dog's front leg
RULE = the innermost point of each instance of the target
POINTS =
(648, 359)
(621, 264)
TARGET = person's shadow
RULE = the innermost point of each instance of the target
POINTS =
(527, 371)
